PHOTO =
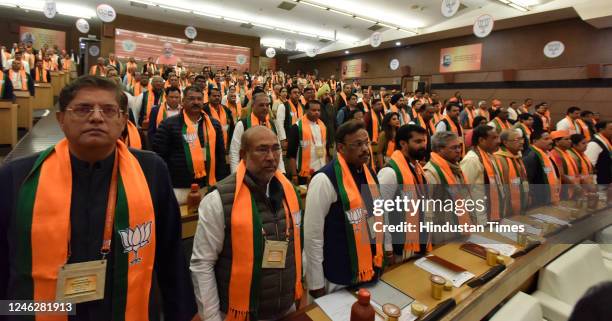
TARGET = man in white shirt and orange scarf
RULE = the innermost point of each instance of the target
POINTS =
(247, 255)
(482, 171)
(569, 122)
(512, 171)
(20, 80)
(307, 150)
(337, 256)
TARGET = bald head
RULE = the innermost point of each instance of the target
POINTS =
(254, 134)
(261, 152)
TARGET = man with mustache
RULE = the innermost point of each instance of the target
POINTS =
(246, 260)
(338, 257)
(259, 115)
(404, 176)
(89, 200)
(191, 143)
(542, 173)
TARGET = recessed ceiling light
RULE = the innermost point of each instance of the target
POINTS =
(346, 52)
(398, 43)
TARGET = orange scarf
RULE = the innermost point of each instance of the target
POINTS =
(551, 176)
(585, 168)
(447, 176)
(296, 112)
(584, 129)
(23, 76)
(222, 118)
(343, 95)
(470, 114)
(196, 160)
(605, 141)
(501, 124)
(545, 122)
(133, 137)
(40, 76)
(409, 182)
(247, 245)
(494, 204)
(306, 139)
(375, 126)
(44, 213)
(356, 216)
(513, 174)
(576, 129)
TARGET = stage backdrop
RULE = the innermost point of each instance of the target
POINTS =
(170, 50)
(351, 68)
(38, 37)
(463, 58)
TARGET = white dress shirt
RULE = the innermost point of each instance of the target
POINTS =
(16, 81)
(512, 114)
(280, 122)
(315, 162)
(234, 152)
(24, 64)
(135, 104)
(565, 124)
(321, 195)
(593, 150)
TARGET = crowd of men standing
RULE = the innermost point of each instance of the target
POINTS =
(247, 141)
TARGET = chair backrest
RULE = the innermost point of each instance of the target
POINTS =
(521, 307)
(569, 276)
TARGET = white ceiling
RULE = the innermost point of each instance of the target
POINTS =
(422, 16)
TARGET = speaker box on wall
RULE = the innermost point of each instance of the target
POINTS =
(449, 78)
(405, 71)
(593, 71)
(509, 75)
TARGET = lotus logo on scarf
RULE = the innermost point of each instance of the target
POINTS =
(135, 239)
(356, 215)
(190, 138)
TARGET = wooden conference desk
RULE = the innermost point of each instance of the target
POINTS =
(43, 96)
(8, 123)
(476, 303)
(57, 82)
(24, 111)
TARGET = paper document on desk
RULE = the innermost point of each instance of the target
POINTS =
(503, 248)
(456, 278)
(513, 235)
(337, 305)
(549, 219)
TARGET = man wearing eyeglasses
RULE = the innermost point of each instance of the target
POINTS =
(89, 220)
(448, 183)
(246, 257)
(337, 258)
(191, 143)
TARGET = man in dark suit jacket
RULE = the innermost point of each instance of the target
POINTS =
(536, 172)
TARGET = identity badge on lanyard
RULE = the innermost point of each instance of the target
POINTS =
(275, 252)
(84, 281)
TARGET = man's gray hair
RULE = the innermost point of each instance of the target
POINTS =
(440, 140)
(507, 134)
(482, 102)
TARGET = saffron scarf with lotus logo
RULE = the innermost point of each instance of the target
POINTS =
(362, 259)
(43, 226)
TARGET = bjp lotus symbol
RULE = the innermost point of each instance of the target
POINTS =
(135, 239)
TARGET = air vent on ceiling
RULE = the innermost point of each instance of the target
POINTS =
(138, 4)
(286, 5)
(246, 25)
(375, 27)
(324, 40)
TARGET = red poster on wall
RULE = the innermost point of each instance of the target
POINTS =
(169, 50)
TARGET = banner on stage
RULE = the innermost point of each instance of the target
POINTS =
(39, 36)
(462, 58)
(352, 68)
(170, 50)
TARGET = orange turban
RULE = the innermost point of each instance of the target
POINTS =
(559, 134)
